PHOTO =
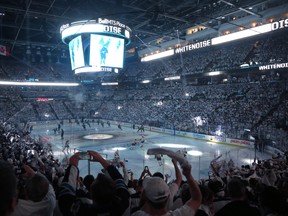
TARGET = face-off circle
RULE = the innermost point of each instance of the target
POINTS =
(98, 136)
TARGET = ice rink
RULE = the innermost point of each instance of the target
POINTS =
(106, 140)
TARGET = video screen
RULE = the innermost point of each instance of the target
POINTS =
(76, 53)
(106, 51)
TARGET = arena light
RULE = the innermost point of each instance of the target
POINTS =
(214, 73)
(37, 84)
(242, 34)
(146, 81)
(172, 78)
(88, 70)
(157, 56)
(109, 83)
(245, 65)
(44, 99)
(159, 103)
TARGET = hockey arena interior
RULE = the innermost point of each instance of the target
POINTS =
(141, 107)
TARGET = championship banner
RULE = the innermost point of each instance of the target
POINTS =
(4, 50)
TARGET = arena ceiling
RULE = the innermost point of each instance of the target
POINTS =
(36, 23)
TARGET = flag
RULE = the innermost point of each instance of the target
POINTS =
(4, 50)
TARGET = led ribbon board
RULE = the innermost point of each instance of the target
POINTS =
(223, 39)
(99, 26)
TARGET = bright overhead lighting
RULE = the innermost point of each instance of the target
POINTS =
(37, 83)
(110, 83)
(158, 55)
(146, 81)
(214, 73)
(242, 34)
(172, 78)
(88, 69)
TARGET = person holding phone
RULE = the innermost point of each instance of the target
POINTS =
(109, 194)
(156, 194)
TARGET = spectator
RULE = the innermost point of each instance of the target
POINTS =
(40, 196)
(109, 194)
(8, 193)
(272, 202)
(156, 195)
(88, 180)
(238, 205)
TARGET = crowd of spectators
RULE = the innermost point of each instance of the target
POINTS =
(233, 106)
(241, 103)
(223, 109)
(47, 186)
(261, 51)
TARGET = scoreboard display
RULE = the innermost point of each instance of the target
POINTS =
(96, 45)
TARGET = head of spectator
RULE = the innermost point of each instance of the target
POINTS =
(8, 184)
(207, 195)
(88, 180)
(103, 189)
(158, 174)
(216, 187)
(239, 204)
(272, 202)
(236, 189)
(207, 198)
(37, 187)
(156, 192)
(39, 196)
